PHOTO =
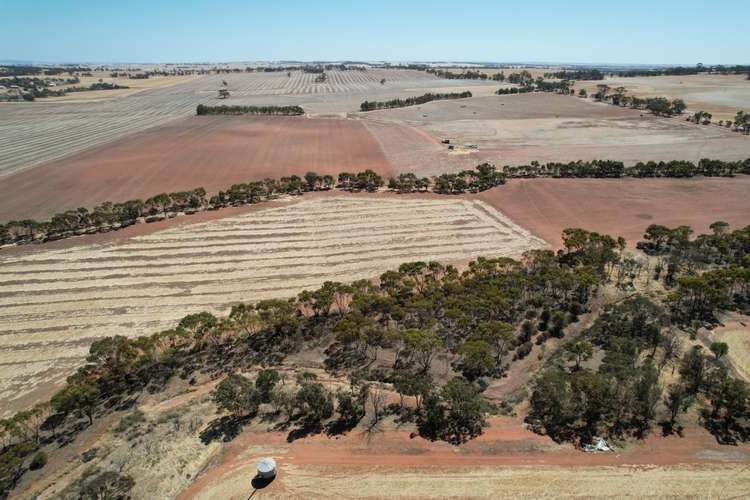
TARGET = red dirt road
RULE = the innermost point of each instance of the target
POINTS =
(209, 151)
(504, 443)
(621, 207)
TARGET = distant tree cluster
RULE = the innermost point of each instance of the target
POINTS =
(523, 78)
(464, 75)
(412, 101)
(659, 106)
(578, 74)
(528, 84)
(97, 86)
(514, 90)
(24, 69)
(684, 70)
(202, 109)
(30, 88)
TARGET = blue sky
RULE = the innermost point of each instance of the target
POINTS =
(637, 31)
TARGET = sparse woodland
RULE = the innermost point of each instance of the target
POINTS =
(481, 321)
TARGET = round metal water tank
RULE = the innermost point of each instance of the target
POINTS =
(266, 468)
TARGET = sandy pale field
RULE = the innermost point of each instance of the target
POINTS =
(721, 95)
(519, 129)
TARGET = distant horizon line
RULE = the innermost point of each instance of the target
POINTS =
(18, 62)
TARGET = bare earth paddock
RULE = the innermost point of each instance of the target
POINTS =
(621, 207)
(209, 151)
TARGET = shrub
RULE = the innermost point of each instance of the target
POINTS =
(129, 421)
(39, 461)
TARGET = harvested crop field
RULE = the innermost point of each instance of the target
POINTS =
(518, 129)
(48, 129)
(622, 207)
(210, 151)
(53, 304)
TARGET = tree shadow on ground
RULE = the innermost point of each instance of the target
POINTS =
(258, 483)
(668, 429)
(726, 431)
(223, 429)
(261, 482)
(340, 426)
(305, 429)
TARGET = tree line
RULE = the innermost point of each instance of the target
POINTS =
(685, 70)
(24, 69)
(202, 109)
(617, 169)
(660, 106)
(110, 216)
(412, 101)
(464, 75)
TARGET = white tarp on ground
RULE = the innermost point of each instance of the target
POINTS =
(597, 445)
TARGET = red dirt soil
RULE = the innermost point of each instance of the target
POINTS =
(505, 442)
(621, 207)
(209, 151)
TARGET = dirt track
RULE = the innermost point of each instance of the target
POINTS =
(506, 461)
(622, 207)
(210, 151)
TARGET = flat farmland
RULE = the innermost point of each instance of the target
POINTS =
(54, 303)
(47, 129)
(721, 95)
(621, 207)
(518, 129)
(210, 151)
